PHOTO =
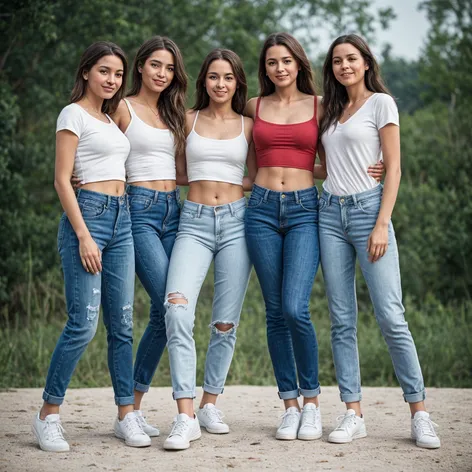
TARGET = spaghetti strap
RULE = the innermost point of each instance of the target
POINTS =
(258, 105)
(195, 120)
(315, 117)
(242, 124)
(130, 108)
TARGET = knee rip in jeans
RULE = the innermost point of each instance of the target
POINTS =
(177, 299)
(223, 327)
(127, 315)
(94, 305)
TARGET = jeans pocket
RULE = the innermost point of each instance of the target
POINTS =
(91, 209)
(138, 204)
(369, 206)
(309, 204)
(240, 214)
(254, 201)
(322, 204)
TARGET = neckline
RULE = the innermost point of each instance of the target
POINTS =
(110, 121)
(358, 110)
(313, 118)
(141, 120)
(222, 140)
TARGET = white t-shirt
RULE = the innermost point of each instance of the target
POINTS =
(353, 146)
(102, 150)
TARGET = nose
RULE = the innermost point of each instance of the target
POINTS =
(280, 67)
(160, 72)
(220, 84)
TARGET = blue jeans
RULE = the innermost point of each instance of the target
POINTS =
(107, 218)
(282, 238)
(155, 219)
(206, 234)
(345, 226)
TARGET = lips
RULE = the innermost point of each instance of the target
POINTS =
(281, 77)
(159, 82)
(109, 89)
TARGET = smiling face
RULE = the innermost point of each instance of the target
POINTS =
(348, 65)
(105, 77)
(158, 70)
(281, 67)
(220, 81)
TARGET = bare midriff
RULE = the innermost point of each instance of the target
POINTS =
(158, 185)
(209, 192)
(284, 179)
(115, 188)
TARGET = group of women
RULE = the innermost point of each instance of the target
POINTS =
(125, 217)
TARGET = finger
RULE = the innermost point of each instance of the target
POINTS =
(369, 241)
(377, 252)
(91, 264)
(84, 263)
(98, 262)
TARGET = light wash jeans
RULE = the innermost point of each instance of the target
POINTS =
(108, 220)
(206, 233)
(345, 226)
(282, 238)
(155, 219)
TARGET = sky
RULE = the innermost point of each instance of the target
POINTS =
(406, 34)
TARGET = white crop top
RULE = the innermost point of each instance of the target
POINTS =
(353, 146)
(102, 149)
(221, 160)
(152, 155)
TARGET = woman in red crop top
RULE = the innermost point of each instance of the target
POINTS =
(282, 224)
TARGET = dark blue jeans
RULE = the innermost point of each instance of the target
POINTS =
(107, 218)
(282, 239)
(155, 220)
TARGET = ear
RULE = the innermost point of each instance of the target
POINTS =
(85, 75)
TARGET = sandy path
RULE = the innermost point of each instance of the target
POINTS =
(252, 413)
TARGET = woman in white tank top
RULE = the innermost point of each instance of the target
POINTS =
(211, 229)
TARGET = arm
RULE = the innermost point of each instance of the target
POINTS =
(250, 109)
(181, 169)
(390, 142)
(248, 181)
(66, 146)
(319, 171)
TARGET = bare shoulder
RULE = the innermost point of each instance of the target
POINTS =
(189, 119)
(320, 108)
(121, 116)
(250, 109)
(248, 125)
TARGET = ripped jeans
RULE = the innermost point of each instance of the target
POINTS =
(108, 220)
(206, 233)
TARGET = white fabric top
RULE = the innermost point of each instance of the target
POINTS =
(152, 155)
(353, 146)
(102, 149)
(221, 160)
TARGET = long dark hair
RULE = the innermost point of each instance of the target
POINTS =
(335, 94)
(240, 96)
(171, 103)
(305, 79)
(89, 58)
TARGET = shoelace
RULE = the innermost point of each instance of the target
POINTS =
(344, 421)
(54, 430)
(426, 426)
(133, 426)
(309, 417)
(215, 415)
(142, 420)
(289, 419)
(178, 428)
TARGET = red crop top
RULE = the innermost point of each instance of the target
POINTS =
(285, 145)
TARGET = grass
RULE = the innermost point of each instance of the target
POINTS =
(442, 335)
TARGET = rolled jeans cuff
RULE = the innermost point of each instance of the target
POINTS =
(213, 390)
(139, 387)
(122, 401)
(414, 397)
(51, 399)
(351, 397)
(310, 393)
(183, 394)
(288, 395)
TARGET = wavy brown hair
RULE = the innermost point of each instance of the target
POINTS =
(240, 96)
(305, 78)
(171, 103)
(335, 94)
(89, 58)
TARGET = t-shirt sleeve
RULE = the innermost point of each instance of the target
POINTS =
(70, 119)
(386, 111)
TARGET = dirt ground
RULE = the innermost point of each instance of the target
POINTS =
(252, 413)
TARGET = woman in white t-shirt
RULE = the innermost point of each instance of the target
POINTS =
(360, 126)
(95, 243)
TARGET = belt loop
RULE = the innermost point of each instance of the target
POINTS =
(108, 201)
(199, 210)
(297, 199)
(266, 195)
(156, 196)
(231, 209)
(78, 192)
(329, 198)
(354, 199)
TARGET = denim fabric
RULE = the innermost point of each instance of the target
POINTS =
(155, 219)
(345, 226)
(107, 218)
(206, 234)
(282, 238)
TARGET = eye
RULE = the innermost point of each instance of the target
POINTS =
(170, 69)
(271, 63)
(103, 71)
(229, 78)
(119, 74)
(287, 61)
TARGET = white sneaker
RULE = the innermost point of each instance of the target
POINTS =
(151, 431)
(211, 419)
(50, 433)
(184, 430)
(422, 431)
(349, 427)
(129, 429)
(310, 423)
(289, 427)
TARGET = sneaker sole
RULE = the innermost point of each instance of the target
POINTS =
(359, 435)
(282, 437)
(426, 445)
(152, 435)
(215, 431)
(44, 448)
(181, 447)
(309, 437)
(130, 443)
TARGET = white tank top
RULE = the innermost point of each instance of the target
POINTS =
(220, 160)
(152, 155)
(102, 149)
